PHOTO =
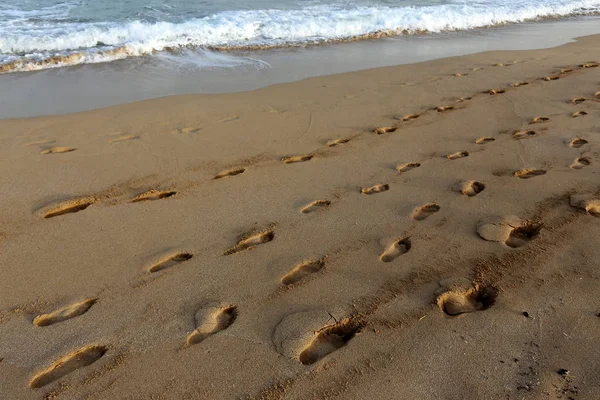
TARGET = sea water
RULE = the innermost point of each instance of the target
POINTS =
(41, 34)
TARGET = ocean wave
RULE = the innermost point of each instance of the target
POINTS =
(54, 44)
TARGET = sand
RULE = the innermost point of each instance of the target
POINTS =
(426, 231)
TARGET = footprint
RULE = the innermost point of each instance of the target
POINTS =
(230, 172)
(229, 119)
(565, 71)
(316, 205)
(457, 155)
(539, 120)
(410, 117)
(518, 84)
(499, 65)
(153, 195)
(65, 313)
(68, 207)
(396, 249)
(588, 203)
(407, 167)
(444, 108)
(297, 159)
(524, 134)
(425, 211)
(597, 94)
(328, 340)
(67, 364)
(578, 142)
(170, 261)
(479, 298)
(520, 235)
(302, 270)
(58, 150)
(251, 242)
(529, 173)
(551, 78)
(578, 114)
(470, 188)
(492, 92)
(576, 100)
(219, 320)
(337, 142)
(463, 99)
(381, 131)
(381, 187)
(484, 140)
(581, 162)
(458, 74)
(589, 65)
(187, 130)
(123, 138)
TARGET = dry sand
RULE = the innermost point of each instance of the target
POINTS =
(411, 232)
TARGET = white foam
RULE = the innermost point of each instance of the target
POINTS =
(264, 28)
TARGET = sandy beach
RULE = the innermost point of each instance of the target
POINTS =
(424, 231)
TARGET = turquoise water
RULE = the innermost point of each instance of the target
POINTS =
(40, 34)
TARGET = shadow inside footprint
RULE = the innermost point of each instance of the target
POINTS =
(67, 364)
(382, 187)
(483, 140)
(230, 172)
(251, 242)
(315, 206)
(381, 131)
(425, 211)
(170, 261)
(65, 313)
(399, 247)
(328, 340)
(454, 303)
(529, 173)
(578, 142)
(457, 155)
(153, 194)
(218, 321)
(407, 167)
(303, 270)
(520, 235)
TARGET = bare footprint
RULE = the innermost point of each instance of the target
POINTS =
(170, 261)
(328, 340)
(551, 78)
(479, 298)
(495, 91)
(407, 167)
(425, 211)
(381, 187)
(457, 155)
(337, 142)
(589, 65)
(578, 114)
(153, 195)
(297, 159)
(316, 205)
(592, 207)
(217, 321)
(395, 250)
(520, 235)
(410, 117)
(581, 162)
(577, 143)
(539, 120)
(65, 313)
(302, 270)
(529, 173)
(123, 138)
(58, 150)
(576, 100)
(187, 130)
(381, 131)
(67, 364)
(230, 172)
(518, 84)
(251, 242)
(484, 140)
(470, 188)
(597, 94)
(68, 207)
(524, 134)
(444, 108)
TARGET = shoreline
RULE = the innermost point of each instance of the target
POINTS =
(421, 231)
(127, 81)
